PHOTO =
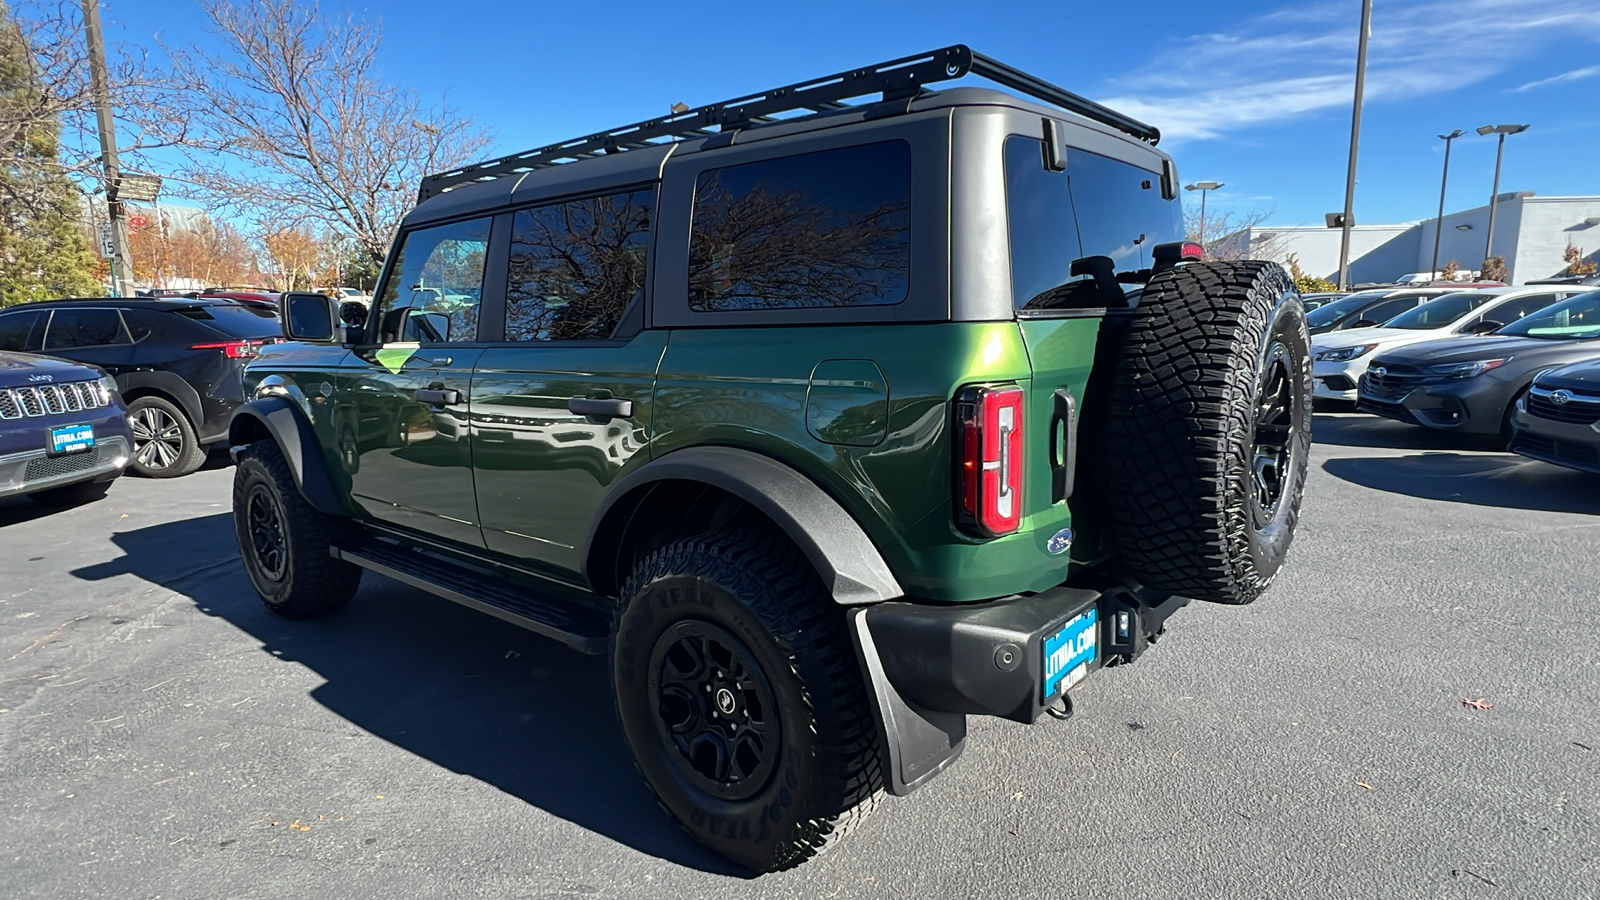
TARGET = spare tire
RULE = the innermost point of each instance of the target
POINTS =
(1207, 431)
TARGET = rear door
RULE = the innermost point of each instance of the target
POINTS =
(403, 398)
(1102, 215)
(94, 335)
(561, 407)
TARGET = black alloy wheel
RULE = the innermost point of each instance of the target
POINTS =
(715, 709)
(1274, 433)
(267, 541)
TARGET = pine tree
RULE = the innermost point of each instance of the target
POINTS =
(43, 251)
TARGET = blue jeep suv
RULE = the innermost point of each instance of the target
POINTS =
(63, 429)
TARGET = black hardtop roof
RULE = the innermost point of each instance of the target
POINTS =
(636, 152)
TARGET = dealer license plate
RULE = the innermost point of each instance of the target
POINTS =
(71, 438)
(1071, 652)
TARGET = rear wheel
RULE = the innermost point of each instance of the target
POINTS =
(1208, 431)
(737, 688)
(164, 442)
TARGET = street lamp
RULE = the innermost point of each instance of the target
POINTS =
(1438, 224)
(1500, 152)
(1202, 187)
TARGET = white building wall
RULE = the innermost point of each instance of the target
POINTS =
(1548, 225)
(1377, 252)
(1531, 233)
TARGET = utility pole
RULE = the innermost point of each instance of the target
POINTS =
(1438, 224)
(121, 272)
(1355, 143)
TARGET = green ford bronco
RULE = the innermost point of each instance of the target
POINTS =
(831, 423)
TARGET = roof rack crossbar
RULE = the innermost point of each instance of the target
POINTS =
(894, 80)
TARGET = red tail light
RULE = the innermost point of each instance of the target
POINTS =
(989, 464)
(233, 349)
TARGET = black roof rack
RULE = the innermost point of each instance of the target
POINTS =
(896, 79)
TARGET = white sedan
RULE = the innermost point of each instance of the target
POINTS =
(1340, 358)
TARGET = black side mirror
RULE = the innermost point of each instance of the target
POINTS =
(1484, 327)
(313, 318)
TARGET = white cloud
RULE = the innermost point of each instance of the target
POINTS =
(1574, 75)
(1301, 59)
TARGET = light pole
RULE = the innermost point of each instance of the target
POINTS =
(1355, 143)
(1494, 196)
(1438, 224)
(1203, 187)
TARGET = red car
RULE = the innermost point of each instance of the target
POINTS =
(247, 297)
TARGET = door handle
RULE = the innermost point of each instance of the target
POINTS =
(601, 407)
(1063, 444)
(436, 397)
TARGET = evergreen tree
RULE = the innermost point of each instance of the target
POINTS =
(43, 250)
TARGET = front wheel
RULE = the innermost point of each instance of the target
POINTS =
(284, 541)
(738, 690)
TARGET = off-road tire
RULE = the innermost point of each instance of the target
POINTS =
(753, 585)
(299, 580)
(175, 430)
(1184, 421)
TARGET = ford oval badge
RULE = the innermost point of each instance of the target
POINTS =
(1060, 542)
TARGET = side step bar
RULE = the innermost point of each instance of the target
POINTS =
(584, 630)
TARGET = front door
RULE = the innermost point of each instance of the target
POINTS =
(561, 408)
(404, 398)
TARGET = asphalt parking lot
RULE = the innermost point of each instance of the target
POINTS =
(163, 735)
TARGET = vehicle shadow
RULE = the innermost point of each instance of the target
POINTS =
(469, 692)
(1364, 430)
(1480, 479)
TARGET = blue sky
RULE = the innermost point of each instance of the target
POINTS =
(1253, 94)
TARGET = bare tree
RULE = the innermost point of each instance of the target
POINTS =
(289, 114)
(1231, 235)
(60, 105)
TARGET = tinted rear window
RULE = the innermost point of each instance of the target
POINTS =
(831, 228)
(234, 321)
(1099, 212)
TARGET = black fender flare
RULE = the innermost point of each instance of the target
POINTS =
(838, 548)
(187, 398)
(288, 427)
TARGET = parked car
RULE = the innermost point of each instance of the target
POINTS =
(347, 295)
(1469, 386)
(785, 422)
(1558, 419)
(1365, 309)
(177, 362)
(64, 433)
(1340, 358)
(1321, 298)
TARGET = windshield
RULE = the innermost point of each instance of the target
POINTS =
(1341, 309)
(1440, 311)
(1573, 319)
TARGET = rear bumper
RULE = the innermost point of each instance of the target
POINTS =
(34, 470)
(932, 666)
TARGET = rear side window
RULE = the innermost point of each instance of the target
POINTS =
(1512, 310)
(1100, 217)
(14, 330)
(576, 266)
(71, 328)
(824, 229)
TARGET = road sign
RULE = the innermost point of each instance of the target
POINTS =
(139, 186)
(103, 237)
